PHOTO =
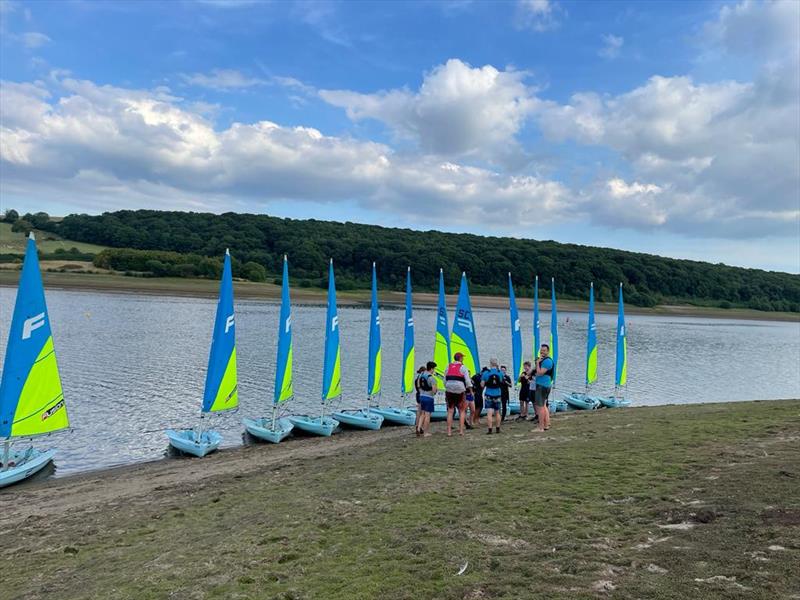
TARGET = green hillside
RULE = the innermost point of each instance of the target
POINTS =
(13, 242)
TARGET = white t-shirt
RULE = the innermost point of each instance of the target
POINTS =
(455, 386)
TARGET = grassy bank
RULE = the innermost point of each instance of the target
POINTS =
(46, 242)
(108, 282)
(667, 502)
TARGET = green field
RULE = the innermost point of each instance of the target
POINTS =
(12, 242)
(669, 502)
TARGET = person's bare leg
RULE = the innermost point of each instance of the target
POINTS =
(450, 420)
(462, 416)
(426, 423)
(540, 413)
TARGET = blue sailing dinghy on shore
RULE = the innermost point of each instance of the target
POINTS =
(221, 391)
(331, 370)
(393, 414)
(275, 429)
(31, 397)
(581, 401)
(618, 400)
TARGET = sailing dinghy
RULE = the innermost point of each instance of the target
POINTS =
(516, 345)
(367, 417)
(31, 398)
(400, 414)
(331, 370)
(221, 391)
(274, 429)
(621, 371)
(441, 351)
(584, 401)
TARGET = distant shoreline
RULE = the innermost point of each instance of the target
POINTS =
(206, 288)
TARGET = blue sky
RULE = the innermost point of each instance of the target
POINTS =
(663, 127)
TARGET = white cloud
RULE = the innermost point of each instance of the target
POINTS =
(222, 80)
(114, 147)
(459, 111)
(612, 46)
(770, 28)
(33, 39)
(539, 15)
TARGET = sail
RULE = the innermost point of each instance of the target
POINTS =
(464, 339)
(283, 366)
(537, 323)
(621, 376)
(591, 342)
(516, 333)
(31, 398)
(553, 329)
(221, 391)
(331, 370)
(374, 374)
(441, 348)
(407, 380)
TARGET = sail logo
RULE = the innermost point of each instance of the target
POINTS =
(594, 327)
(228, 323)
(622, 330)
(288, 325)
(30, 325)
(465, 323)
(50, 412)
(334, 323)
(410, 322)
(377, 321)
(516, 325)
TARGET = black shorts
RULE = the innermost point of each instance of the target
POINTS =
(541, 395)
(456, 400)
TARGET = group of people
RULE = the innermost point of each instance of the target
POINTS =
(489, 389)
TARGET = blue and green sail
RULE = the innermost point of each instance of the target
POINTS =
(284, 389)
(332, 365)
(441, 347)
(31, 397)
(464, 339)
(374, 368)
(553, 329)
(537, 323)
(591, 342)
(409, 372)
(516, 332)
(221, 392)
(621, 375)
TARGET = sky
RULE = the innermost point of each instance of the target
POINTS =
(670, 128)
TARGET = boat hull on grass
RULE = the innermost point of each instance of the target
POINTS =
(559, 405)
(361, 418)
(582, 401)
(262, 429)
(513, 408)
(439, 412)
(614, 402)
(26, 464)
(318, 426)
(401, 416)
(189, 442)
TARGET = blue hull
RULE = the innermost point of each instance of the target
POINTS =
(315, 425)
(262, 429)
(582, 401)
(361, 418)
(187, 441)
(439, 412)
(614, 402)
(26, 464)
(402, 416)
(559, 405)
(513, 408)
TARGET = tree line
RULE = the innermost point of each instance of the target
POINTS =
(263, 240)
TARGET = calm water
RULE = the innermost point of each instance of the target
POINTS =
(133, 365)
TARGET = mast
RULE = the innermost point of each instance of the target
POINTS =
(621, 371)
(331, 370)
(591, 343)
(441, 347)
(463, 338)
(284, 385)
(409, 372)
(553, 329)
(516, 333)
(374, 350)
(536, 321)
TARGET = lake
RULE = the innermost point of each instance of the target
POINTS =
(134, 365)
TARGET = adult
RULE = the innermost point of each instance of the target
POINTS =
(477, 391)
(505, 390)
(544, 382)
(456, 383)
(492, 382)
(416, 396)
(427, 394)
(524, 390)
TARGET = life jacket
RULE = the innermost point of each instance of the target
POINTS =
(454, 373)
(424, 382)
(549, 372)
(495, 380)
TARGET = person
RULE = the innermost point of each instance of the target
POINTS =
(524, 390)
(492, 382)
(505, 388)
(477, 390)
(416, 395)
(456, 383)
(427, 394)
(544, 382)
(469, 396)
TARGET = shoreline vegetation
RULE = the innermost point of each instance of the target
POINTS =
(678, 501)
(207, 288)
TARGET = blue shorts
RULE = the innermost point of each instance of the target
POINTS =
(491, 403)
(426, 404)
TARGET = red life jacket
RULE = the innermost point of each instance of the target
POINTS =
(454, 373)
